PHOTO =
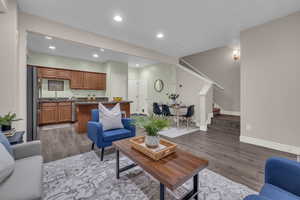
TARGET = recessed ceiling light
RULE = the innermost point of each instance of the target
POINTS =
(137, 65)
(52, 47)
(118, 18)
(160, 35)
(102, 49)
(48, 38)
(95, 55)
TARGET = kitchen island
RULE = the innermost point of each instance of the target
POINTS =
(83, 112)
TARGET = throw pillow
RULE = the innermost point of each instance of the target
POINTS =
(6, 144)
(7, 163)
(110, 119)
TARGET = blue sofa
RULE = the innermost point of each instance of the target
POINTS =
(282, 181)
(105, 138)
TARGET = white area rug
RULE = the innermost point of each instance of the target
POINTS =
(177, 132)
(85, 177)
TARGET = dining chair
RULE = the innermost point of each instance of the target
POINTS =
(156, 109)
(189, 114)
(166, 110)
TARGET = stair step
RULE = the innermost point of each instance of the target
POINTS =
(225, 130)
(226, 123)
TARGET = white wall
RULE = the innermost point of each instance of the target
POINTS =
(117, 73)
(190, 90)
(133, 73)
(270, 97)
(46, 60)
(165, 72)
(8, 60)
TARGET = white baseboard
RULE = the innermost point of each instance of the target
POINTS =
(271, 145)
(203, 128)
(210, 115)
(227, 112)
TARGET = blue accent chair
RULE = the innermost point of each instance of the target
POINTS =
(105, 138)
(282, 181)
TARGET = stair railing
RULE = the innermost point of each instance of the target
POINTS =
(203, 75)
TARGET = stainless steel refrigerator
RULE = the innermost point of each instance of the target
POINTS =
(32, 103)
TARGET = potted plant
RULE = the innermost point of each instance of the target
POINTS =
(152, 126)
(6, 121)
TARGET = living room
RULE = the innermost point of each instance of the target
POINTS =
(237, 69)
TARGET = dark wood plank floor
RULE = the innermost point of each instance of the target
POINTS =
(240, 162)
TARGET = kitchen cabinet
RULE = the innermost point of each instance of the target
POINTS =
(48, 113)
(51, 113)
(52, 73)
(63, 74)
(46, 73)
(101, 82)
(77, 80)
(64, 112)
(94, 81)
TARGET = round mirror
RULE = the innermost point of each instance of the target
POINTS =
(158, 85)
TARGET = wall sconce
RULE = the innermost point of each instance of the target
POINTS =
(236, 54)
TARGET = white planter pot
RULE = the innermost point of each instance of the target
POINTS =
(152, 141)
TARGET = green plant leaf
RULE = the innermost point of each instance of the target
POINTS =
(152, 124)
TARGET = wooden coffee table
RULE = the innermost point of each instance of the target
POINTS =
(171, 171)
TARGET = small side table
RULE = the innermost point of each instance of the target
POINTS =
(17, 138)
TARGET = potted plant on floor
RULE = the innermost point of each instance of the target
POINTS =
(152, 126)
(6, 121)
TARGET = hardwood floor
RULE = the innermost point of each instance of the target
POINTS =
(240, 162)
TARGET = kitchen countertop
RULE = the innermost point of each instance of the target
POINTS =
(81, 101)
(54, 100)
(103, 102)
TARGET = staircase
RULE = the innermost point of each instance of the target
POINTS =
(228, 124)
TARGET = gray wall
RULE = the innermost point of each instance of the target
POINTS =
(270, 87)
(219, 65)
(8, 59)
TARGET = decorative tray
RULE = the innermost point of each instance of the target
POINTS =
(164, 149)
(10, 133)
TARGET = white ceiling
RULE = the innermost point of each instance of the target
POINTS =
(38, 43)
(189, 26)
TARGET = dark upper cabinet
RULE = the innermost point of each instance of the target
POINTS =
(78, 79)
(94, 81)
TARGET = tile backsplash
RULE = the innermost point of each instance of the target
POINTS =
(68, 92)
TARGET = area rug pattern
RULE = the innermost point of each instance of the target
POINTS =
(85, 177)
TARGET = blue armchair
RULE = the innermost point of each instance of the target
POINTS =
(105, 138)
(282, 181)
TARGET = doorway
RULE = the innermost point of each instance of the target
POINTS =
(137, 92)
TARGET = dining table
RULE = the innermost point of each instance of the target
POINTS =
(177, 108)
